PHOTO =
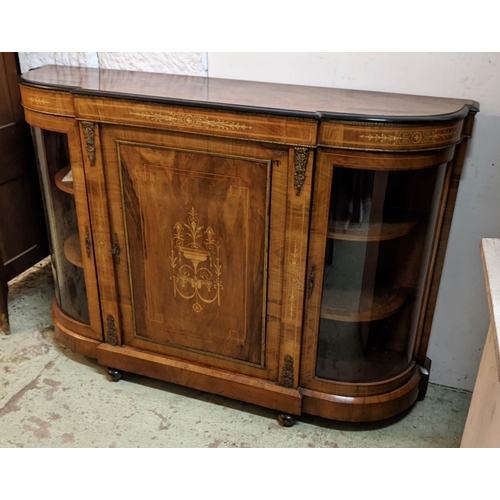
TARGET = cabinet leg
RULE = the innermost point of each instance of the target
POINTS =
(115, 374)
(286, 420)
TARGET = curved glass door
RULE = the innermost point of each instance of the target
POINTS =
(377, 250)
(67, 262)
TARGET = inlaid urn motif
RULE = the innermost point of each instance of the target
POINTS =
(195, 262)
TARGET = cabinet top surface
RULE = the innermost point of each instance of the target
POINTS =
(248, 96)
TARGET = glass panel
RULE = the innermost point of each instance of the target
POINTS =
(380, 230)
(67, 263)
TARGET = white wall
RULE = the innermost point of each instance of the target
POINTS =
(461, 319)
(182, 63)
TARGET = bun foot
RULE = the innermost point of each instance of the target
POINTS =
(286, 420)
(115, 374)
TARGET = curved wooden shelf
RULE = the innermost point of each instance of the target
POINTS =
(73, 250)
(67, 187)
(350, 306)
(376, 231)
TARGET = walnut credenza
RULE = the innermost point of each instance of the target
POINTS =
(276, 244)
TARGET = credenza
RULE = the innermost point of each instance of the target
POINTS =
(276, 244)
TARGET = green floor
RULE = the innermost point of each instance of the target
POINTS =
(50, 397)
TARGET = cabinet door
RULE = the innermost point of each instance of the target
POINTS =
(197, 269)
(376, 220)
(60, 161)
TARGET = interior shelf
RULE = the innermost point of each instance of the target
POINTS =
(372, 231)
(73, 250)
(361, 368)
(67, 187)
(352, 307)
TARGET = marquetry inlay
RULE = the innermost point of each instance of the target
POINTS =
(195, 262)
(293, 281)
(189, 120)
(388, 137)
(411, 137)
(39, 101)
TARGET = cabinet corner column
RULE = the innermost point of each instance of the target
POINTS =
(101, 231)
(298, 207)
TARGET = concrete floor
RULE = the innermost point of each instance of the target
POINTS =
(51, 397)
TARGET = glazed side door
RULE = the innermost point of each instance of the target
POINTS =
(374, 236)
(58, 150)
(199, 229)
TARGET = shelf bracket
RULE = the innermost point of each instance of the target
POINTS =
(300, 162)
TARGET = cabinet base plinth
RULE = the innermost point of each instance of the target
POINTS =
(232, 385)
(74, 341)
(292, 402)
(240, 387)
(362, 409)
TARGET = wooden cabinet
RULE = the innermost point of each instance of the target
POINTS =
(23, 235)
(276, 244)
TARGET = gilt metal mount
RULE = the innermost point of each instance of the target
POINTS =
(287, 373)
(300, 162)
(111, 330)
(88, 131)
(116, 250)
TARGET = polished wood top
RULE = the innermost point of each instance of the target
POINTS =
(256, 97)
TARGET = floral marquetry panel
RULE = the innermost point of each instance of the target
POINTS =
(196, 226)
(352, 135)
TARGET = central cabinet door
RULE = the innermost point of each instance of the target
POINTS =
(192, 217)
